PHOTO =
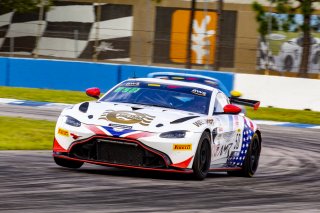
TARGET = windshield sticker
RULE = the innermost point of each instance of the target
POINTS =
(154, 85)
(162, 77)
(177, 78)
(132, 84)
(127, 117)
(127, 90)
(211, 82)
(173, 86)
(198, 92)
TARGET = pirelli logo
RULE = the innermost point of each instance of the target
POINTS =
(63, 132)
(182, 147)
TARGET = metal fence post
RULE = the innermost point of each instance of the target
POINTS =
(76, 38)
(96, 42)
(11, 46)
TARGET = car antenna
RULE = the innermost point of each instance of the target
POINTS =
(134, 74)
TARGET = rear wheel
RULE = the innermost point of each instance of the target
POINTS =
(251, 161)
(67, 163)
(202, 159)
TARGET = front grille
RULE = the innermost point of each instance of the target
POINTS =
(116, 151)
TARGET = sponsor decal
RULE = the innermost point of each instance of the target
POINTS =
(182, 147)
(132, 84)
(198, 92)
(238, 139)
(210, 121)
(228, 136)
(222, 150)
(127, 90)
(199, 123)
(119, 126)
(127, 117)
(63, 132)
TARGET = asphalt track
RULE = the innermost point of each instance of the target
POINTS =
(288, 180)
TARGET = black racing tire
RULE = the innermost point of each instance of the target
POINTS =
(68, 163)
(201, 163)
(251, 161)
(288, 63)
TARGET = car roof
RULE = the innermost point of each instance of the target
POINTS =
(217, 83)
(173, 82)
(182, 75)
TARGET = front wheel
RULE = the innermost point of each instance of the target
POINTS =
(67, 163)
(202, 159)
(251, 161)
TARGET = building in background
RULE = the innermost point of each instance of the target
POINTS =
(139, 32)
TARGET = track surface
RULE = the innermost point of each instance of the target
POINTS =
(288, 180)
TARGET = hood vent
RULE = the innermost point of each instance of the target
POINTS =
(180, 120)
(84, 107)
(135, 108)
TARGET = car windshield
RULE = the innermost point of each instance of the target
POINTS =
(163, 95)
(196, 79)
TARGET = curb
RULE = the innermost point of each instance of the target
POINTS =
(63, 105)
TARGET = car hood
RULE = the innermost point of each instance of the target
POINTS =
(133, 116)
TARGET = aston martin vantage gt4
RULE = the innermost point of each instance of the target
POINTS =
(160, 125)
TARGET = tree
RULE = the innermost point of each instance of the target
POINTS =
(290, 7)
(23, 6)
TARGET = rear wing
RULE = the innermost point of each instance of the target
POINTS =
(245, 102)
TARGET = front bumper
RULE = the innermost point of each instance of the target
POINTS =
(118, 152)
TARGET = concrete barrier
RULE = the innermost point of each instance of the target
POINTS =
(75, 75)
(54, 74)
(281, 92)
(3, 71)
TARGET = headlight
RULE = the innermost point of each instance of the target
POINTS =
(174, 134)
(72, 121)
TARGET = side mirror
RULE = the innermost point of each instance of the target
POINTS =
(231, 109)
(93, 92)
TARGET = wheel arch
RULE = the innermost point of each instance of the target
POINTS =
(210, 135)
(259, 135)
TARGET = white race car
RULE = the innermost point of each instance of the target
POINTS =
(161, 125)
(290, 54)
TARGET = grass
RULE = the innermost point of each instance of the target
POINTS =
(289, 115)
(25, 134)
(275, 45)
(46, 95)
(274, 114)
